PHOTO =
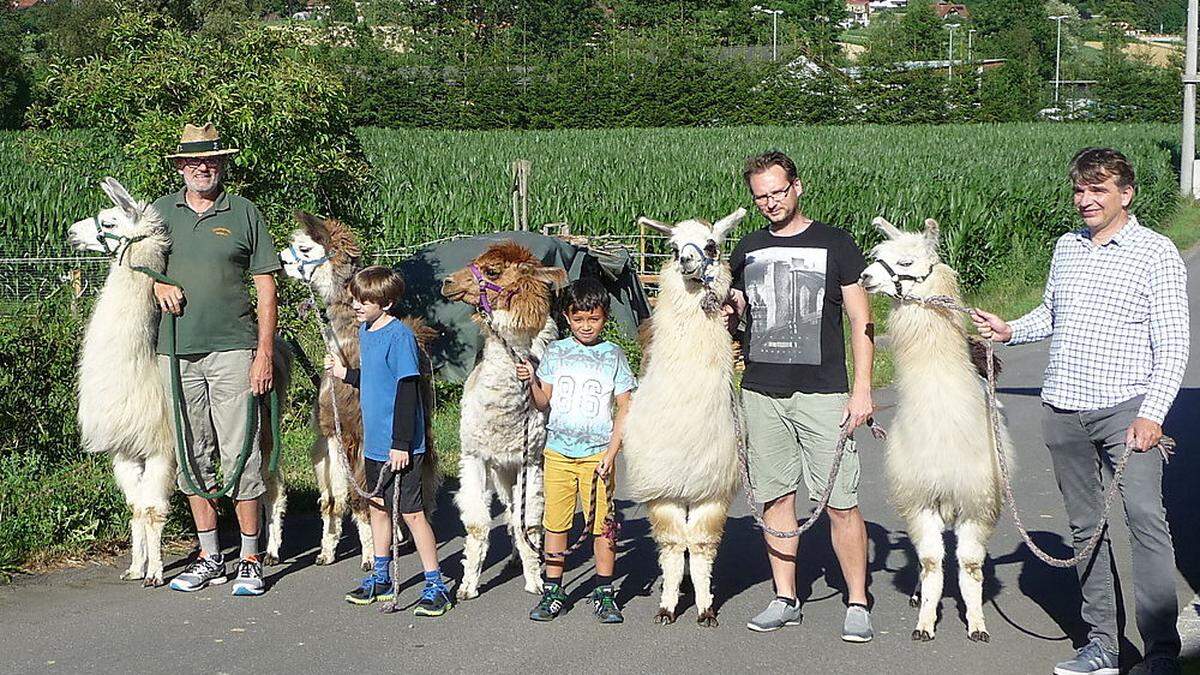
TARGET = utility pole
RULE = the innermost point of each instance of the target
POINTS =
(1187, 159)
(1057, 57)
(775, 13)
(970, 34)
(951, 27)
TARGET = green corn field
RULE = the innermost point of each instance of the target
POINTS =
(996, 189)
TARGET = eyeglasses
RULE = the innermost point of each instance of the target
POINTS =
(194, 162)
(777, 195)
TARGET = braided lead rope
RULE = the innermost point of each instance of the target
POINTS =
(838, 453)
(1166, 446)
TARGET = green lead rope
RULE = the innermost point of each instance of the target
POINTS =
(252, 418)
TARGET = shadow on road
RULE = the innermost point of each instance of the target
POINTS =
(1180, 495)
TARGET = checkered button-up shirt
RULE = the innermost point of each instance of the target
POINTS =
(1117, 319)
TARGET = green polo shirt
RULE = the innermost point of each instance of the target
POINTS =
(211, 254)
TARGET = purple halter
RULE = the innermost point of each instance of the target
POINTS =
(484, 286)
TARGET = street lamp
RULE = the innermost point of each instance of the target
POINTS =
(1057, 55)
(970, 34)
(951, 27)
(775, 13)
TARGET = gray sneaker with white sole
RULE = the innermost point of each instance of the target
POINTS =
(1092, 659)
(857, 627)
(777, 615)
(202, 572)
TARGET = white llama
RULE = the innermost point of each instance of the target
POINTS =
(941, 465)
(123, 409)
(502, 435)
(324, 253)
(680, 444)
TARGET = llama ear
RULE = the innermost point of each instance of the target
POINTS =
(724, 225)
(931, 230)
(655, 225)
(885, 227)
(555, 277)
(313, 226)
(119, 195)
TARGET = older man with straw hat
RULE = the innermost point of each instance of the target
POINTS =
(217, 238)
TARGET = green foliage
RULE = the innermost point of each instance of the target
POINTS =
(288, 115)
(15, 75)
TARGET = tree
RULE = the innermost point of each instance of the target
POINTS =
(288, 115)
(917, 36)
(14, 74)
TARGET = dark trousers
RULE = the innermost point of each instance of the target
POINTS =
(1084, 448)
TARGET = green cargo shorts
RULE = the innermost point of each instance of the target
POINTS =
(793, 438)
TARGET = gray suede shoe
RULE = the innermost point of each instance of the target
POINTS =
(777, 615)
(857, 627)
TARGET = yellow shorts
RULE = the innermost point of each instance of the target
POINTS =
(566, 478)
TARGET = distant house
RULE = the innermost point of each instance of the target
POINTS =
(858, 13)
(881, 5)
(23, 4)
(949, 10)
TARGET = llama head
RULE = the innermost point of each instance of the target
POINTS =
(903, 262)
(508, 285)
(118, 229)
(696, 245)
(322, 252)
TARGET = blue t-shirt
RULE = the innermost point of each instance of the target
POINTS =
(388, 355)
(585, 380)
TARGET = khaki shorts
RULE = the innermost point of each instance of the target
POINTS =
(794, 438)
(216, 391)
(564, 479)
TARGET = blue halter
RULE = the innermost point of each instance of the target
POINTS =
(305, 264)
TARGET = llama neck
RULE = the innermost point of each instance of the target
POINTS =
(919, 332)
(689, 341)
(124, 324)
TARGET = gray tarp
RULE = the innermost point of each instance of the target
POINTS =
(455, 351)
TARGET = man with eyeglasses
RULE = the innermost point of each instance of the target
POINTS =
(217, 239)
(791, 282)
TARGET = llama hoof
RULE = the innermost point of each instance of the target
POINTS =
(367, 565)
(131, 575)
(466, 593)
(707, 618)
(664, 617)
(533, 586)
(914, 600)
(270, 560)
(921, 635)
(324, 559)
(979, 636)
(153, 581)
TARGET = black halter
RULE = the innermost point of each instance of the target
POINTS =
(897, 278)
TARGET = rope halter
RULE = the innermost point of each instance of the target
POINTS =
(486, 286)
(304, 265)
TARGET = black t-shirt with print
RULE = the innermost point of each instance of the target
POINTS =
(793, 287)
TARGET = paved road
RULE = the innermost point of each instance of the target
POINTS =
(89, 620)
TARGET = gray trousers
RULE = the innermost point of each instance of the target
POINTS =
(216, 391)
(1084, 447)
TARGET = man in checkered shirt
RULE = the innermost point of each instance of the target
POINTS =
(1115, 310)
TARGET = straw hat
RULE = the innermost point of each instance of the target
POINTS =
(200, 142)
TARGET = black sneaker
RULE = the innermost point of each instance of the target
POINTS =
(435, 601)
(201, 573)
(370, 590)
(606, 605)
(552, 603)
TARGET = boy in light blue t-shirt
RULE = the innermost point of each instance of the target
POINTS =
(578, 380)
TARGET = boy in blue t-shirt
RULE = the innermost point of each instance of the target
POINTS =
(577, 381)
(388, 381)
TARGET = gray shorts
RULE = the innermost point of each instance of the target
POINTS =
(793, 438)
(216, 391)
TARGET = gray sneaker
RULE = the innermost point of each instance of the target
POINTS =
(777, 615)
(201, 573)
(857, 627)
(249, 578)
(1092, 659)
